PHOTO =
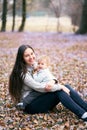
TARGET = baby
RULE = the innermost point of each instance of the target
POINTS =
(43, 74)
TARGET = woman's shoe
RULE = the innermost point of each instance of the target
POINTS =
(85, 119)
(20, 106)
(84, 116)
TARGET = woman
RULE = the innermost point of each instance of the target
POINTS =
(22, 84)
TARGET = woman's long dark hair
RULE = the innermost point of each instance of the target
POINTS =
(17, 74)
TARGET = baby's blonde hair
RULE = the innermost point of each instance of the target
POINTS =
(45, 59)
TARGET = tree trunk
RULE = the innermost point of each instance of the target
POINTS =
(21, 28)
(57, 10)
(4, 13)
(14, 6)
(83, 24)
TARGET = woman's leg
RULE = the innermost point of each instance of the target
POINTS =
(42, 104)
(75, 96)
(69, 103)
(45, 102)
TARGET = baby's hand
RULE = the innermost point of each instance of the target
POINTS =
(65, 89)
(49, 85)
(48, 88)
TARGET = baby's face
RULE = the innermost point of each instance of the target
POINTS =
(42, 65)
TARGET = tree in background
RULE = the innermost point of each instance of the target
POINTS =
(83, 24)
(21, 28)
(14, 6)
(57, 8)
(1, 9)
(56, 5)
(4, 13)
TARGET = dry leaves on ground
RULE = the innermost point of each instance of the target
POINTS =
(68, 54)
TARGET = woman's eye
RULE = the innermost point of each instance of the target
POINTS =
(31, 53)
(26, 55)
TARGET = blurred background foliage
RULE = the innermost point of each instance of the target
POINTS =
(52, 15)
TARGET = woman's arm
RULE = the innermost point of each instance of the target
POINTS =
(57, 87)
(40, 87)
(29, 81)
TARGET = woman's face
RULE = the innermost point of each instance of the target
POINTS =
(29, 56)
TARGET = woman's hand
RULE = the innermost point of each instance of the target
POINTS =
(49, 85)
(65, 89)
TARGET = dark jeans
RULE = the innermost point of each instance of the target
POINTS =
(47, 101)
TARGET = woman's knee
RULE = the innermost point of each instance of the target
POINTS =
(69, 87)
(60, 93)
(72, 90)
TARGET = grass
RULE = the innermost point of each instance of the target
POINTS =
(42, 24)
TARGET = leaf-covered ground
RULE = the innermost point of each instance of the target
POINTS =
(68, 55)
